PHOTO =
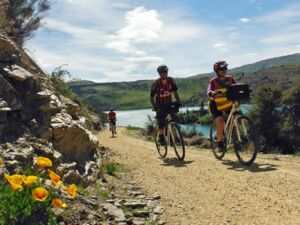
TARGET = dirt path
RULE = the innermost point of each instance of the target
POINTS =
(202, 190)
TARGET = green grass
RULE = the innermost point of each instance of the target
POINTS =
(297, 154)
(151, 223)
(104, 195)
(130, 128)
(111, 169)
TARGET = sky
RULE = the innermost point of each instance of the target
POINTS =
(126, 40)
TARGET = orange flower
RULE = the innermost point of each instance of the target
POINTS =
(43, 162)
(39, 194)
(29, 180)
(72, 190)
(15, 181)
(1, 161)
(55, 178)
(58, 203)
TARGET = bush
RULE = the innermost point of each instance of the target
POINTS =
(150, 126)
(28, 199)
(188, 133)
(111, 169)
(265, 116)
(22, 18)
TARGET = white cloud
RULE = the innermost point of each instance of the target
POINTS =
(244, 20)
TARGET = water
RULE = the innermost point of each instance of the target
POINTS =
(139, 118)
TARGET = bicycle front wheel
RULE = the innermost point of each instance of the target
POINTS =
(218, 153)
(243, 140)
(161, 149)
(176, 141)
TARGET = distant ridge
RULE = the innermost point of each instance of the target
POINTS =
(260, 65)
(280, 71)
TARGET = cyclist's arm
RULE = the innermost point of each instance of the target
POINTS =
(177, 96)
(152, 94)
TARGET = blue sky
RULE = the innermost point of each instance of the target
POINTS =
(112, 40)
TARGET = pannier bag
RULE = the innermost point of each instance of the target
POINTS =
(238, 92)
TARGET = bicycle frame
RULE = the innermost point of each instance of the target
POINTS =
(231, 122)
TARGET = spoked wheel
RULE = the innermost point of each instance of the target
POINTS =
(162, 150)
(218, 153)
(176, 141)
(243, 140)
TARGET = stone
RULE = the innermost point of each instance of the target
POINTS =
(141, 213)
(17, 73)
(135, 204)
(114, 211)
(158, 210)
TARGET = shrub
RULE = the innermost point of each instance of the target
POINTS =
(111, 169)
(150, 126)
(23, 18)
(28, 199)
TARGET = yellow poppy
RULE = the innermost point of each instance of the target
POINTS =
(29, 180)
(72, 190)
(58, 203)
(1, 161)
(15, 181)
(43, 162)
(39, 194)
(55, 178)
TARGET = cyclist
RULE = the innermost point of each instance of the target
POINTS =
(161, 98)
(218, 103)
(112, 119)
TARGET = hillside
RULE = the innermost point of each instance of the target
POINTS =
(133, 95)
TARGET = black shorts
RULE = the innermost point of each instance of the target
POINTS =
(163, 111)
(113, 122)
(212, 107)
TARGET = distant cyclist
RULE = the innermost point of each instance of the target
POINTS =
(218, 103)
(112, 117)
(161, 98)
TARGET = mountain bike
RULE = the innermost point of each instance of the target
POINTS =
(238, 133)
(173, 136)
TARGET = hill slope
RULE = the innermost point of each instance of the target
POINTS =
(133, 95)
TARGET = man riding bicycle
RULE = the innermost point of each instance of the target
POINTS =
(112, 119)
(218, 103)
(161, 98)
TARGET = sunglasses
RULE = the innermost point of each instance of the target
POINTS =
(223, 68)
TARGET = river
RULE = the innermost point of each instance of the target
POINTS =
(139, 118)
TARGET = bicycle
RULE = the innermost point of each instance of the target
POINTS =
(173, 136)
(112, 127)
(239, 133)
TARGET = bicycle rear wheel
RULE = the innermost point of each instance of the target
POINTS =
(176, 141)
(162, 150)
(243, 140)
(218, 153)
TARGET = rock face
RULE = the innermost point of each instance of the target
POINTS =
(29, 105)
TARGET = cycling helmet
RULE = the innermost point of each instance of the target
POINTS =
(111, 109)
(220, 65)
(162, 68)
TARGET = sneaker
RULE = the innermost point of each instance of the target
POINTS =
(162, 140)
(221, 146)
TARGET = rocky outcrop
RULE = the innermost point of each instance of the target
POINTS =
(29, 105)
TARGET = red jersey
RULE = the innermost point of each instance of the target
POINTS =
(112, 116)
(163, 91)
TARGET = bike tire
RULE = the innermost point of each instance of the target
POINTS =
(219, 154)
(178, 143)
(244, 147)
(162, 150)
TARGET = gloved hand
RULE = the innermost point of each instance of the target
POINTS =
(155, 108)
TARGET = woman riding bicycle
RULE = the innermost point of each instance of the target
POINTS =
(161, 98)
(218, 103)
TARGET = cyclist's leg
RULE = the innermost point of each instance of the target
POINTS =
(161, 119)
(115, 127)
(220, 124)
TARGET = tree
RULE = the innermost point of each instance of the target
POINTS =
(265, 115)
(23, 17)
(290, 121)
